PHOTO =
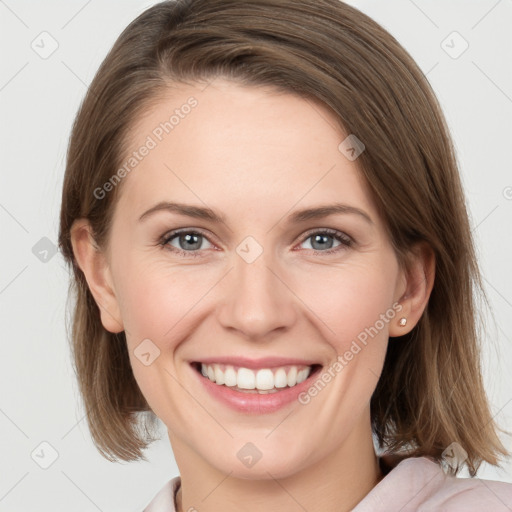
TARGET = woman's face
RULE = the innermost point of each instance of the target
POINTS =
(265, 282)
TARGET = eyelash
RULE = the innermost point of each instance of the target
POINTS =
(345, 240)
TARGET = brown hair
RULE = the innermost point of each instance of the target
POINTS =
(430, 393)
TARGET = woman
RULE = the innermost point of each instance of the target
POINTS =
(272, 254)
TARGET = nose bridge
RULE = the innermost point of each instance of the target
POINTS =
(257, 301)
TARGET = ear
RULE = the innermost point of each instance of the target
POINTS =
(93, 263)
(414, 288)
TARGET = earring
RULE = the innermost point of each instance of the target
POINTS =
(402, 322)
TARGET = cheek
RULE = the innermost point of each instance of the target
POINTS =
(152, 305)
(156, 300)
(353, 301)
(159, 304)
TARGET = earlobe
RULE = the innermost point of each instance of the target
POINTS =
(419, 281)
(94, 265)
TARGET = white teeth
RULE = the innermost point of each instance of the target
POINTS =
(245, 379)
(230, 377)
(219, 375)
(292, 376)
(280, 380)
(302, 376)
(265, 380)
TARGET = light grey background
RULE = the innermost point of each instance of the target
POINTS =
(38, 100)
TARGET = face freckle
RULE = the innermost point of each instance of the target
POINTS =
(260, 283)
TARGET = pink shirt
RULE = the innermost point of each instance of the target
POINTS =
(413, 485)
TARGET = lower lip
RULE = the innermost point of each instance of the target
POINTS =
(254, 402)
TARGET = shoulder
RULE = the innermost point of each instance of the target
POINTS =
(420, 484)
(447, 492)
(164, 501)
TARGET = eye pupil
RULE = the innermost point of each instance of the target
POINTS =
(321, 238)
(187, 238)
(191, 241)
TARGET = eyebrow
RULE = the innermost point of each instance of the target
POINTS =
(199, 212)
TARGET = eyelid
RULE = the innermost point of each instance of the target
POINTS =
(173, 233)
(346, 241)
(328, 231)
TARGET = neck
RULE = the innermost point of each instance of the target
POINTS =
(335, 483)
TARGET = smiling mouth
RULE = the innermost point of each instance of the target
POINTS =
(261, 381)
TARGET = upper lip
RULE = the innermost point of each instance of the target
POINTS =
(262, 362)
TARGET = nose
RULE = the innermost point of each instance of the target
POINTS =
(258, 302)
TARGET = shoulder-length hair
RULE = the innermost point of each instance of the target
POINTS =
(430, 393)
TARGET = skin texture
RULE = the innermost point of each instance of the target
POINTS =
(255, 156)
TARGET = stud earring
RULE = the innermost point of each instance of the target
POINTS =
(402, 322)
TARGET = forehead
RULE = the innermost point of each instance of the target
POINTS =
(229, 145)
